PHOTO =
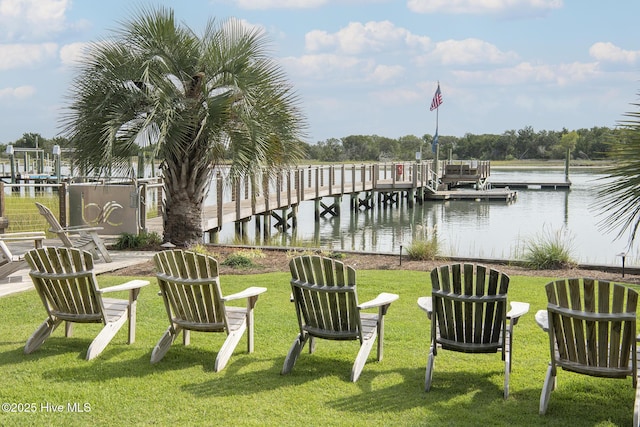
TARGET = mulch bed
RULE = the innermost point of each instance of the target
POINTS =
(277, 260)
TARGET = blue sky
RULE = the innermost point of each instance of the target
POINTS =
(368, 66)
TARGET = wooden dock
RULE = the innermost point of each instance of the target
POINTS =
(543, 185)
(502, 195)
(276, 199)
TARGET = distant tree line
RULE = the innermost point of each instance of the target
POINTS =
(591, 144)
(587, 144)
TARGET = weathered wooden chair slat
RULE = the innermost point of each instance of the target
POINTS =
(190, 287)
(326, 303)
(592, 331)
(85, 237)
(65, 281)
(467, 309)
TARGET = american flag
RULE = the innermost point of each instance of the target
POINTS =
(437, 99)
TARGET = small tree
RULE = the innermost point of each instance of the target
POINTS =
(193, 99)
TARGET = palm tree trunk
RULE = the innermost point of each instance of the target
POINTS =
(182, 219)
(185, 186)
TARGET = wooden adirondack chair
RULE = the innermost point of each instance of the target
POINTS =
(468, 313)
(85, 237)
(190, 287)
(592, 331)
(324, 294)
(67, 285)
(9, 263)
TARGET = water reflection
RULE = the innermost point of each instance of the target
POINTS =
(468, 228)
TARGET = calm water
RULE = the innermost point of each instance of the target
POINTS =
(472, 228)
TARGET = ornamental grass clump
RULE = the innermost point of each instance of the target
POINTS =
(549, 250)
(425, 245)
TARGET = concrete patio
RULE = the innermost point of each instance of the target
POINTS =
(20, 280)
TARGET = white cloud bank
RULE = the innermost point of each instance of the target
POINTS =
(14, 56)
(32, 19)
(483, 6)
(20, 92)
(608, 52)
(357, 38)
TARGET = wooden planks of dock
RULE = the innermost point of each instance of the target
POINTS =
(543, 185)
(498, 194)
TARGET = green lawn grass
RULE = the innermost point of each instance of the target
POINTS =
(122, 387)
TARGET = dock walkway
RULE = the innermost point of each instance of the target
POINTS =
(279, 196)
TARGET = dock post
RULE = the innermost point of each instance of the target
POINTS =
(266, 220)
(214, 236)
(258, 229)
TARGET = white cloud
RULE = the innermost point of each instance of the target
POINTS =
(483, 6)
(398, 96)
(20, 92)
(527, 73)
(386, 73)
(73, 53)
(608, 52)
(280, 4)
(297, 4)
(14, 56)
(322, 66)
(32, 19)
(358, 38)
(470, 51)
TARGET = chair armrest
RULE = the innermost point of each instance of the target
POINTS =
(382, 299)
(77, 229)
(253, 291)
(426, 304)
(542, 319)
(26, 235)
(133, 284)
(517, 309)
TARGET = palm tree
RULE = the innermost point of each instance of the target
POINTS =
(619, 197)
(194, 99)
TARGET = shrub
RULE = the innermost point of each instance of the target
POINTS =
(252, 253)
(238, 260)
(199, 249)
(142, 240)
(549, 250)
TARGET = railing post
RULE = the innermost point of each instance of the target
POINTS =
(353, 178)
(142, 205)
(3, 220)
(237, 191)
(62, 205)
(300, 184)
(265, 191)
(289, 188)
(219, 199)
(279, 189)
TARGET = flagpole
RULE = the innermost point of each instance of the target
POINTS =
(435, 104)
(437, 153)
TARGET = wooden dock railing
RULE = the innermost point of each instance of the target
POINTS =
(260, 195)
